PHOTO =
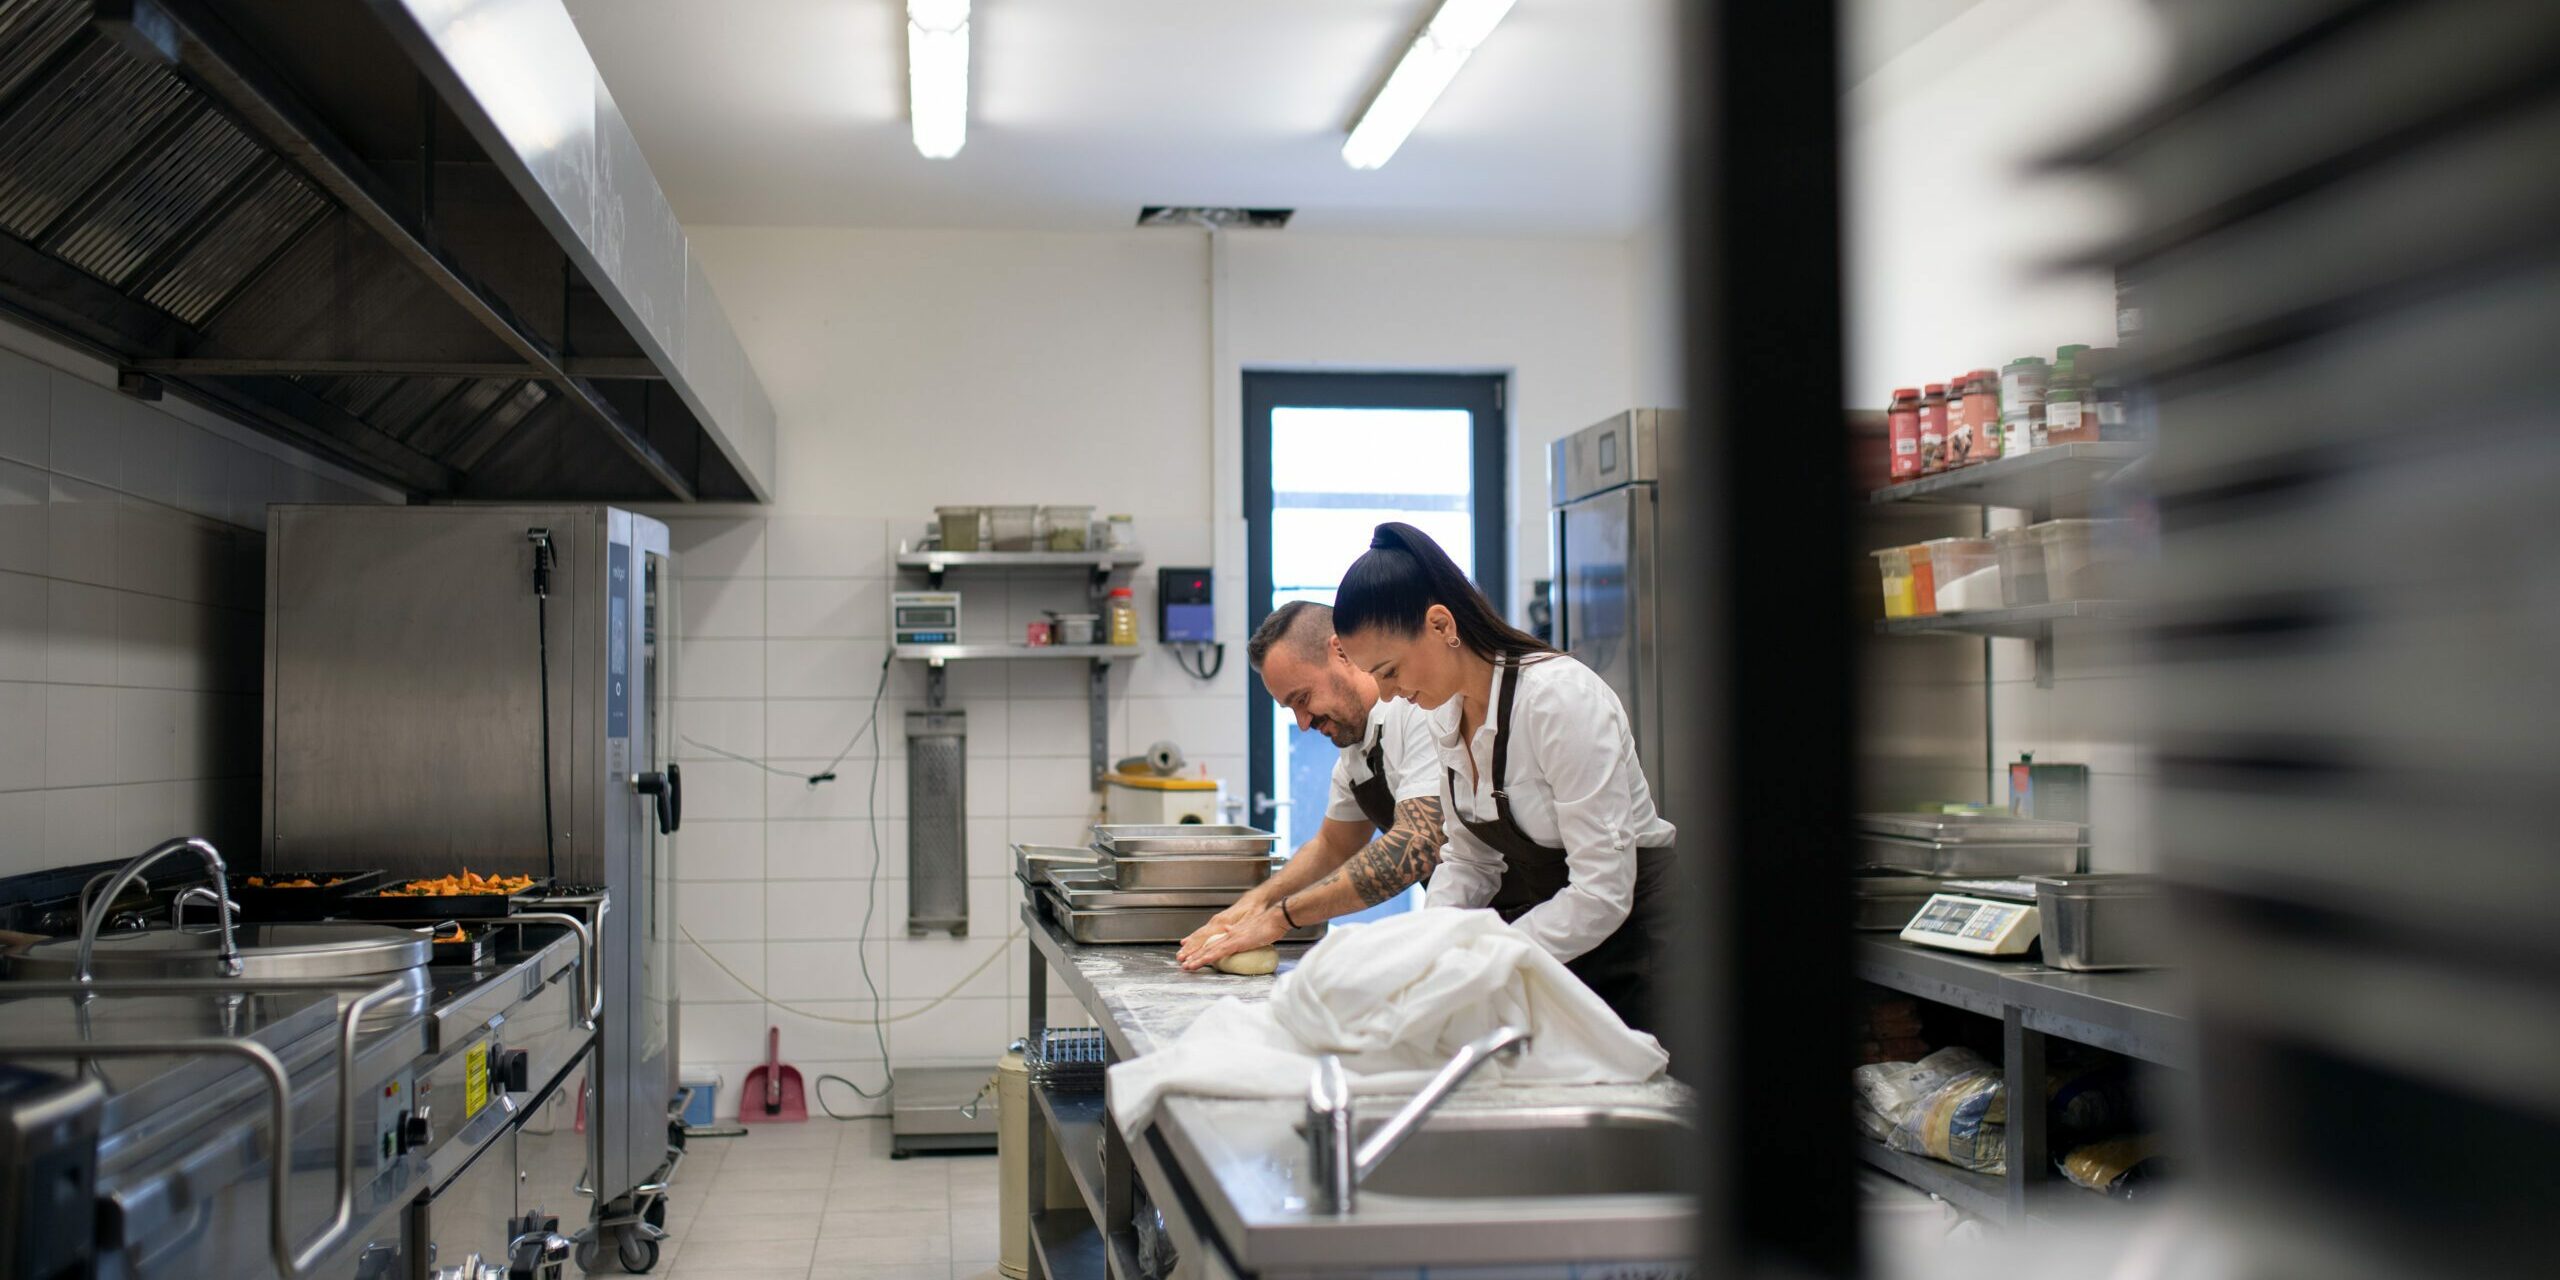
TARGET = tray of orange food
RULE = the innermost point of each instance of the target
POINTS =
(296, 895)
(464, 895)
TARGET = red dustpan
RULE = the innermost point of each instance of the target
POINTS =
(773, 1092)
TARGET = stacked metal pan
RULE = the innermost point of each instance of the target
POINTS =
(1148, 883)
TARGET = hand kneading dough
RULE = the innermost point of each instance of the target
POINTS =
(1254, 963)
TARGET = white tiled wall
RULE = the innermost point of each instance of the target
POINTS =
(132, 562)
(785, 626)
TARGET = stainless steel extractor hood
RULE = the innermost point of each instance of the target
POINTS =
(414, 236)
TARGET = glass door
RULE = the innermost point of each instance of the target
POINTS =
(1328, 457)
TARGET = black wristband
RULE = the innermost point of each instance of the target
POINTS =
(1284, 913)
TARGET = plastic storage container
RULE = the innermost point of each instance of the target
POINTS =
(959, 527)
(1121, 608)
(1015, 528)
(1924, 582)
(1895, 564)
(2085, 559)
(1964, 573)
(1077, 628)
(1069, 528)
(2021, 554)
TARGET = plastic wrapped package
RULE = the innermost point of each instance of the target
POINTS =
(2120, 1167)
(1963, 1121)
(1886, 1092)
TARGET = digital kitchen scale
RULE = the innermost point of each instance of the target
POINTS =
(1980, 926)
(924, 617)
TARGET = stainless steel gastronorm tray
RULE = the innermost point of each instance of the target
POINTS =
(1032, 861)
(1233, 872)
(1153, 924)
(1092, 890)
(1124, 840)
(1958, 858)
(1971, 828)
(2093, 922)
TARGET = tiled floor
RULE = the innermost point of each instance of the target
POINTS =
(823, 1201)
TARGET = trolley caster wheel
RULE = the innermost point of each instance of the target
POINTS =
(656, 1214)
(587, 1254)
(635, 1254)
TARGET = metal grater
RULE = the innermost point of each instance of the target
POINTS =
(1069, 1060)
(937, 825)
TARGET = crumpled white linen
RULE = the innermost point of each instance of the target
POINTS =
(1395, 998)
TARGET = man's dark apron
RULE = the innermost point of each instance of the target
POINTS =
(1377, 799)
(1621, 969)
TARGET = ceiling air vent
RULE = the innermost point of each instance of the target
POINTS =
(1195, 215)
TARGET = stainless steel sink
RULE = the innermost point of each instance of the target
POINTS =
(1562, 1151)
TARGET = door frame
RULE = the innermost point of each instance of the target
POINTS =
(1485, 396)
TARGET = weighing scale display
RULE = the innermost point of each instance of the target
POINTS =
(922, 617)
(1977, 925)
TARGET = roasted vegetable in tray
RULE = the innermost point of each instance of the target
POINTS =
(469, 882)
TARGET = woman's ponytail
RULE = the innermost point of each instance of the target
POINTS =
(1395, 583)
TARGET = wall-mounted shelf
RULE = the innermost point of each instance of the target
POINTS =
(2054, 479)
(937, 654)
(1101, 563)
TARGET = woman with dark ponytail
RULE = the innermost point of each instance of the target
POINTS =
(1546, 816)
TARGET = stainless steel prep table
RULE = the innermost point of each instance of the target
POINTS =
(1226, 1172)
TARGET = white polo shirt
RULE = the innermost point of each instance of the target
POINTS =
(1574, 784)
(1411, 757)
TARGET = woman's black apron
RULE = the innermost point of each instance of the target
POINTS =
(1621, 969)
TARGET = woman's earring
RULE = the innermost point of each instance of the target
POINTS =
(1453, 642)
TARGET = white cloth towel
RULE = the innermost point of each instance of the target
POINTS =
(1395, 999)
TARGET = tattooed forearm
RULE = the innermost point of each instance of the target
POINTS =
(1401, 856)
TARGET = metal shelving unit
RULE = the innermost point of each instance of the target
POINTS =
(2026, 622)
(2140, 1014)
(1100, 563)
(1092, 1240)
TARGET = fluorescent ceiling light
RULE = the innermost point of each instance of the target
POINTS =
(1427, 68)
(938, 75)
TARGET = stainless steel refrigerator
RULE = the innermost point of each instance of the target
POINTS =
(1604, 482)
(485, 687)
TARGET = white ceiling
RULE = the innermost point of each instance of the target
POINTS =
(793, 113)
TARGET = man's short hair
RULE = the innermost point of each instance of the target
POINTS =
(1303, 624)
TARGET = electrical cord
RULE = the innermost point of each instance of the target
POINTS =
(1204, 661)
(541, 540)
(827, 774)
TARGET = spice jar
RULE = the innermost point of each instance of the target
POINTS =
(1122, 609)
(1978, 439)
(1902, 433)
(1933, 438)
(2069, 416)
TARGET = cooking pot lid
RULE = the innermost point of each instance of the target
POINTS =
(270, 950)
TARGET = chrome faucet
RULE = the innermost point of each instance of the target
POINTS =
(1338, 1169)
(95, 918)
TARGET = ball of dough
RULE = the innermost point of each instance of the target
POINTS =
(1254, 963)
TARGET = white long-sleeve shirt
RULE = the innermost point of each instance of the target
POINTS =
(1411, 757)
(1574, 783)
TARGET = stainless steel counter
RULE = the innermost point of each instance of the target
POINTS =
(1239, 1163)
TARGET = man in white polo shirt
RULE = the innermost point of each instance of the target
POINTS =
(1387, 782)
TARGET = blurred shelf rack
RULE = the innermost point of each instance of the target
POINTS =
(1984, 1195)
(938, 654)
(2026, 622)
(2058, 478)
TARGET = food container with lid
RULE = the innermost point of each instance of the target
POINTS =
(1015, 528)
(1956, 566)
(959, 527)
(2085, 559)
(1895, 565)
(1068, 528)
(2021, 553)
(1948, 844)
(1077, 628)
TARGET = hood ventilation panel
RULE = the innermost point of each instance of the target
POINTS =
(295, 212)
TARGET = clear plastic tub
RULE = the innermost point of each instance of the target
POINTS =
(2086, 559)
(2021, 566)
(1952, 561)
(1924, 583)
(1015, 528)
(959, 527)
(1067, 528)
(1895, 564)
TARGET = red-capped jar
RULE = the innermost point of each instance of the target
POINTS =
(1933, 415)
(1981, 441)
(1902, 434)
